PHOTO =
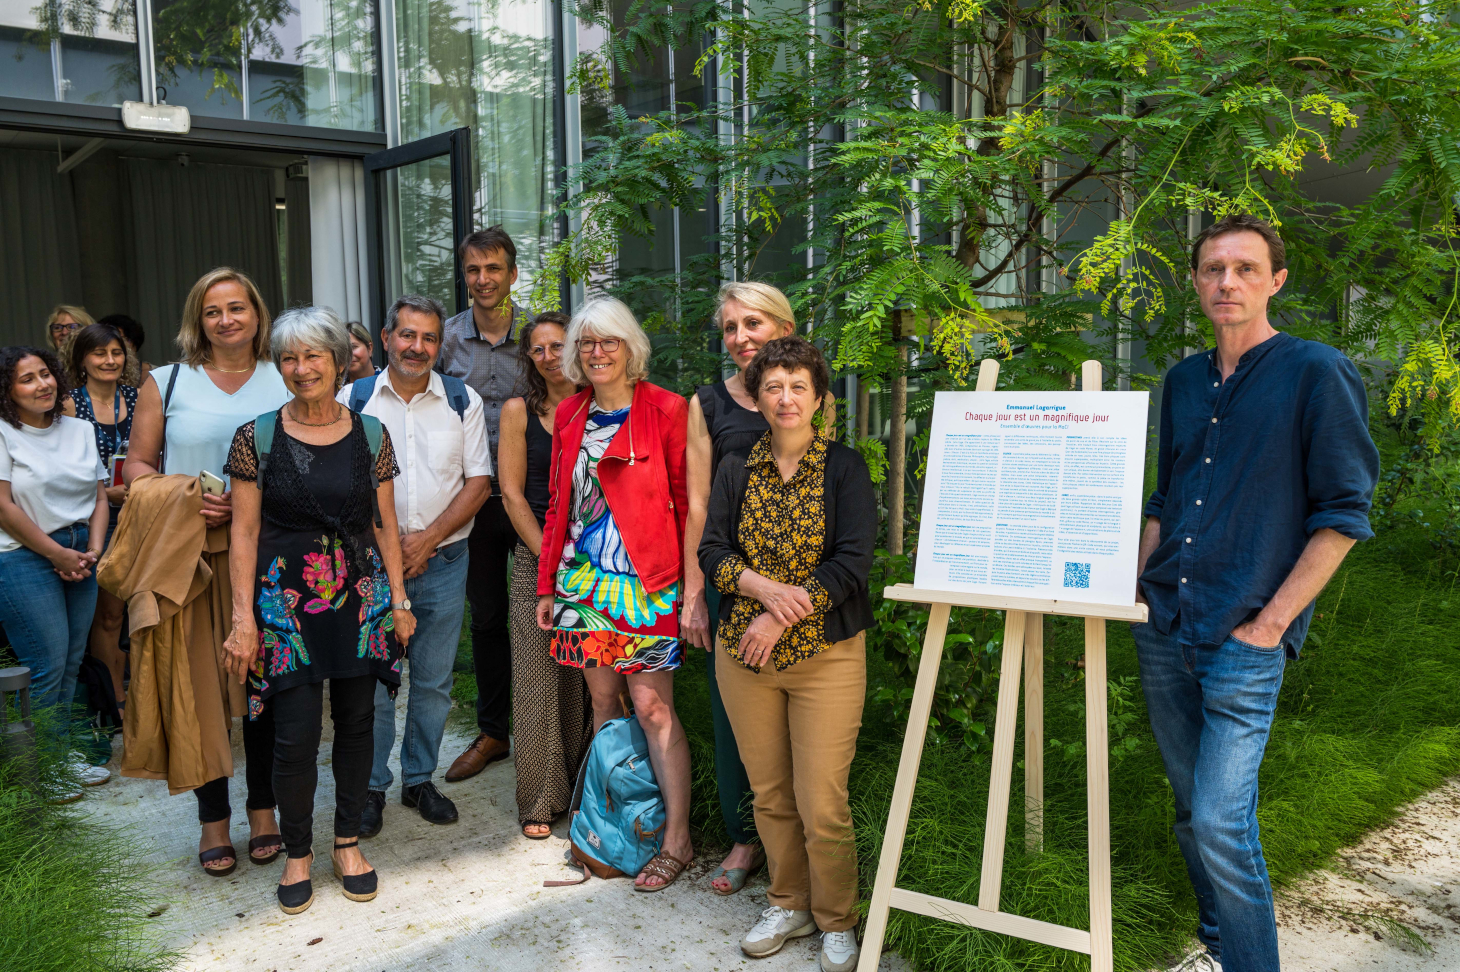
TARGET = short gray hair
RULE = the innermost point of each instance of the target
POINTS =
(419, 304)
(311, 327)
(606, 318)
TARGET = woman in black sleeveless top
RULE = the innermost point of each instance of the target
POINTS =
(552, 714)
(723, 419)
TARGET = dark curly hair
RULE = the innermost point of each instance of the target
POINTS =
(794, 354)
(535, 387)
(87, 340)
(10, 359)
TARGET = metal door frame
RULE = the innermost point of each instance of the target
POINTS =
(455, 144)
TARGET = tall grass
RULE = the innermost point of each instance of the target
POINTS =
(73, 895)
(1368, 719)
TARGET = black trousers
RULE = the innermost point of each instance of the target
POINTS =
(258, 767)
(492, 539)
(298, 720)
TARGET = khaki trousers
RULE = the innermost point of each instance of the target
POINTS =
(797, 732)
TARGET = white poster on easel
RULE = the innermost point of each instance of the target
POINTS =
(1034, 494)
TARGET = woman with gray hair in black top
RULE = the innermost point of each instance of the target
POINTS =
(317, 593)
(552, 714)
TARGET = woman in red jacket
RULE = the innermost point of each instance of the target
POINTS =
(610, 573)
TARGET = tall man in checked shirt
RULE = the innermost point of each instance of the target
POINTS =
(480, 347)
(1264, 481)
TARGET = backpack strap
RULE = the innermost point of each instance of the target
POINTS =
(456, 394)
(374, 437)
(360, 393)
(263, 441)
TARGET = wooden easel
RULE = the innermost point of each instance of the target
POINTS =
(1023, 640)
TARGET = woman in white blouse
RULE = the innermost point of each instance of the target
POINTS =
(186, 416)
(53, 516)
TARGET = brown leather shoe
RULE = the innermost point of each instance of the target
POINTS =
(483, 750)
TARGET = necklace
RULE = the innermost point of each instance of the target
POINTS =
(234, 371)
(339, 413)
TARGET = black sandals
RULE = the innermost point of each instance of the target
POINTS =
(217, 854)
(358, 887)
(259, 843)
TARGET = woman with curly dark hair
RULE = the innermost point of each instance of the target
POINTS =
(53, 515)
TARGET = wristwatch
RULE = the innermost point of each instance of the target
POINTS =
(402, 606)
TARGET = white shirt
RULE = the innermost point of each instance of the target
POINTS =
(52, 474)
(201, 417)
(437, 452)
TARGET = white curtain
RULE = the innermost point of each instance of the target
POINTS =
(339, 249)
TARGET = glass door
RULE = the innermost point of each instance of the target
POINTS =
(418, 206)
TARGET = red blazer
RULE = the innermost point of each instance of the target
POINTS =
(648, 496)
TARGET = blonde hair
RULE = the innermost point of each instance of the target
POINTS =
(192, 342)
(606, 318)
(756, 296)
(77, 314)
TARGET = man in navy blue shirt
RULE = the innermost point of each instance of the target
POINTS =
(1264, 481)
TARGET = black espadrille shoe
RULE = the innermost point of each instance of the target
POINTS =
(297, 897)
(358, 887)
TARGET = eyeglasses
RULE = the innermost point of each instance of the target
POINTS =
(540, 351)
(609, 345)
(60, 328)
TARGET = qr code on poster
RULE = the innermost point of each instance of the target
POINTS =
(1077, 575)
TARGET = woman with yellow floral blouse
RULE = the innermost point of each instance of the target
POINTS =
(788, 540)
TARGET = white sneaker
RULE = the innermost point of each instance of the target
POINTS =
(839, 951)
(86, 774)
(775, 926)
(1198, 961)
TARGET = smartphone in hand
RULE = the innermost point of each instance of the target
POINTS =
(212, 485)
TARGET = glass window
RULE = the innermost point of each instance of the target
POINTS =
(268, 60)
(77, 51)
(488, 67)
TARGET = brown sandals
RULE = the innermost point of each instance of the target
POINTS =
(663, 866)
(219, 853)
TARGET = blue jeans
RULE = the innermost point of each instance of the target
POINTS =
(48, 620)
(438, 600)
(1211, 712)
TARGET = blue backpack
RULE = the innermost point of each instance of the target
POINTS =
(618, 824)
(263, 444)
(361, 390)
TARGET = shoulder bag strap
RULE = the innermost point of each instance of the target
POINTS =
(166, 400)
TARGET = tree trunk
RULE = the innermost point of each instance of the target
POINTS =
(864, 405)
(897, 443)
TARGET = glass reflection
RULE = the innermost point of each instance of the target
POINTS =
(267, 60)
(77, 51)
(486, 64)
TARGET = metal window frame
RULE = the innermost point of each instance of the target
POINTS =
(455, 144)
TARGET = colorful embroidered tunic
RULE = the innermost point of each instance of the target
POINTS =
(602, 616)
(323, 605)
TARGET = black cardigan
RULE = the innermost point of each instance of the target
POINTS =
(851, 534)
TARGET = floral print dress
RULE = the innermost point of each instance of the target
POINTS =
(602, 616)
(319, 617)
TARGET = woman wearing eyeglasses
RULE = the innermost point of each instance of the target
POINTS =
(551, 718)
(64, 321)
(612, 557)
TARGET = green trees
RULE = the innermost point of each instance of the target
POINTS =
(971, 177)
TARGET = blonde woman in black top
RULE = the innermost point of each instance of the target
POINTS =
(552, 714)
